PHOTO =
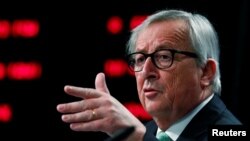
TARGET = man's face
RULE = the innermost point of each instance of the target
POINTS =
(175, 90)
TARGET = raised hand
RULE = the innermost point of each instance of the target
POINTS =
(97, 111)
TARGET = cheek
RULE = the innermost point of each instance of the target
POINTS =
(169, 81)
(139, 83)
(185, 81)
(174, 83)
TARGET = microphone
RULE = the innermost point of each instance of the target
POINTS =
(121, 134)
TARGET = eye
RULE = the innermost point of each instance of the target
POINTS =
(136, 59)
(139, 59)
(163, 57)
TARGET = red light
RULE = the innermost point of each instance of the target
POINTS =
(25, 28)
(5, 113)
(136, 20)
(137, 110)
(115, 25)
(115, 68)
(2, 71)
(24, 71)
(5, 29)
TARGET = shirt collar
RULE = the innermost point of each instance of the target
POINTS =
(176, 129)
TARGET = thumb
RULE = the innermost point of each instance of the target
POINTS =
(100, 83)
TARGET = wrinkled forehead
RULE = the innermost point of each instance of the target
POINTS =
(171, 34)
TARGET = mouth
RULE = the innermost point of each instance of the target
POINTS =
(150, 93)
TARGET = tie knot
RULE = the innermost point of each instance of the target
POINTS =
(162, 136)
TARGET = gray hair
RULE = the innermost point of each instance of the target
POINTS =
(203, 37)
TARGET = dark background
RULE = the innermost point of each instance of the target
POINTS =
(74, 43)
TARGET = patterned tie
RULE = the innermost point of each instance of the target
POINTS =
(162, 136)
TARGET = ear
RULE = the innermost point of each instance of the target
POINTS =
(208, 73)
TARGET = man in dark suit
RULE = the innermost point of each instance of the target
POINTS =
(175, 57)
(214, 113)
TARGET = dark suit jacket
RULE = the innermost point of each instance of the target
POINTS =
(214, 113)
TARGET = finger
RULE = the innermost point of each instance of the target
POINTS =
(84, 116)
(100, 83)
(99, 121)
(81, 92)
(94, 125)
(78, 106)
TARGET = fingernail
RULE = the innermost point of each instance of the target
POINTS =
(64, 118)
(60, 107)
(69, 88)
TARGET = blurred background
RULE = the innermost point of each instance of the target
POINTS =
(45, 46)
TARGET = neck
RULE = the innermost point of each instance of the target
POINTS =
(166, 119)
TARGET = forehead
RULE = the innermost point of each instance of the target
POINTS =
(172, 34)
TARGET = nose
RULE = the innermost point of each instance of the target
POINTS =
(149, 69)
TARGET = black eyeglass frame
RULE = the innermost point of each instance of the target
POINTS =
(151, 55)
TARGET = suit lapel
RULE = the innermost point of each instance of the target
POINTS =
(197, 128)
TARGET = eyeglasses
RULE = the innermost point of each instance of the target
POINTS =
(162, 59)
